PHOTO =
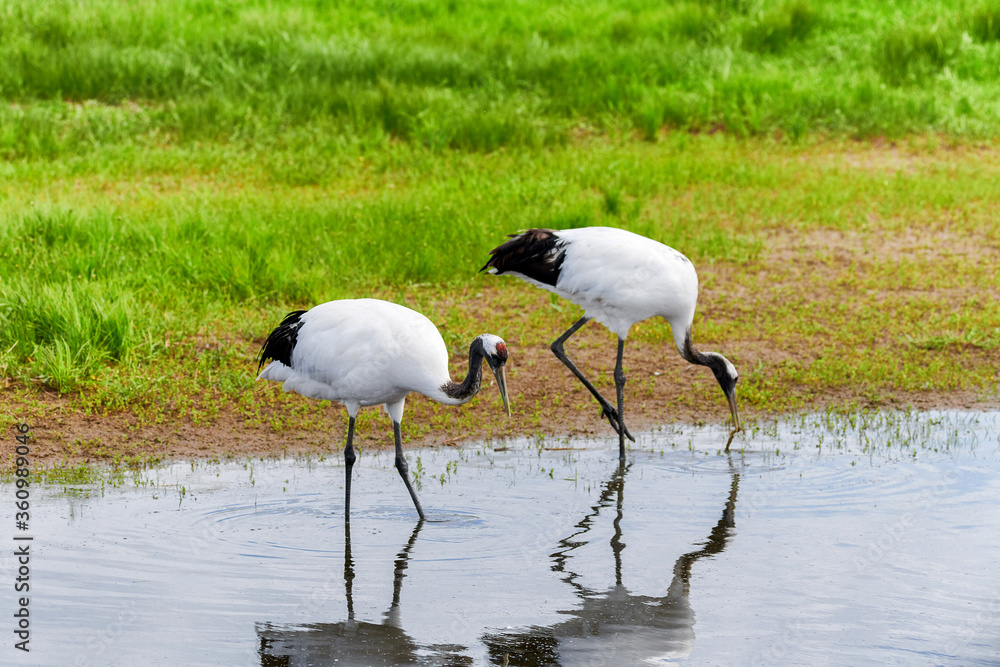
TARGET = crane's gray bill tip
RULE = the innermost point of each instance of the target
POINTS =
(731, 397)
(500, 373)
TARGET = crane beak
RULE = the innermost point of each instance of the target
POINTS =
(731, 397)
(500, 374)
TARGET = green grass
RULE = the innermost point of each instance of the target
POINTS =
(81, 77)
(780, 28)
(985, 23)
(176, 176)
(915, 54)
(144, 286)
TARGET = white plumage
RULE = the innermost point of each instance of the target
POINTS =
(363, 352)
(618, 278)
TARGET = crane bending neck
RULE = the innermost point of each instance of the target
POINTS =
(686, 347)
(462, 393)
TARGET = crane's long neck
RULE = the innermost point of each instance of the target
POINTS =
(725, 373)
(680, 327)
(687, 350)
(470, 386)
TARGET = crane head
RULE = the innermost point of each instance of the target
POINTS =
(495, 353)
(725, 373)
(727, 376)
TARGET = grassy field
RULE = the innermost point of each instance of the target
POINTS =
(333, 78)
(177, 176)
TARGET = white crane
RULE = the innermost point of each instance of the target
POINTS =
(364, 352)
(618, 278)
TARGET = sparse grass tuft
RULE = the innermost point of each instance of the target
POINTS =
(778, 28)
(985, 23)
(695, 21)
(912, 54)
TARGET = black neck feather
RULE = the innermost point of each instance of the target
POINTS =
(692, 355)
(470, 387)
(713, 360)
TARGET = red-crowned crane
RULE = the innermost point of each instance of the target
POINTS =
(364, 352)
(618, 278)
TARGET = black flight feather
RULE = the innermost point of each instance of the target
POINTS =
(535, 253)
(281, 341)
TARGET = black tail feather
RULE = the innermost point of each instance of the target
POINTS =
(281, 341)
(535, 253)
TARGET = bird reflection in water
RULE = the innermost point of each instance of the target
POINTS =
(615, 627)
(354, 642)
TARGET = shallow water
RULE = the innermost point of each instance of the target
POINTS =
(822, 542)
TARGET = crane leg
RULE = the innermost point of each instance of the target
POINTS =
(620, 390)
(609, 411)
(349, 458)
(404, 470)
